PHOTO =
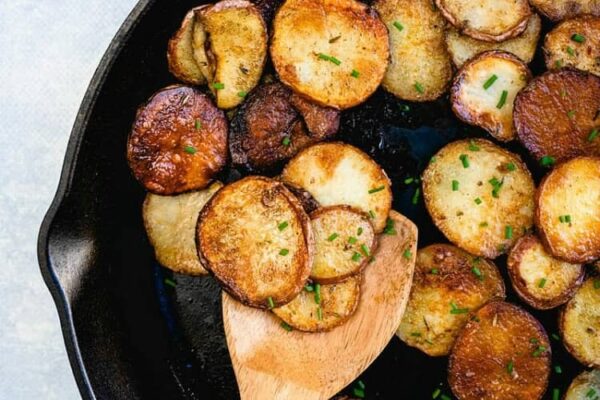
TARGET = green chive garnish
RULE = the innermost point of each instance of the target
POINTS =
(352, 240)
(547, 161)
(389, 227)
(434, 271)
(597, 284)
(377, 189)
(361, 384)
(555, 336)
(415, 198)
(465, 160)
(419, 88)
(354, 73)
(270, 302)
(542, 283)
(356, 256)
(478, 201)
(508, 232)
(286, 141)
(445, 397)
(455, 186)
(416, 334)
(309, 288)
(218, 85)
(359, 231)
(534, 341)
(511, 166)
(285, 326)
(371, 214)
(490, 81)
(558, 63)
(477, 272)
(570, 51)
(578, 38)
(317, 293)
(436, 393)
(556, 394)
(365, 250)
(571, 113)
(496, 185)
(198, 124)
(509, 367)
(455, 310)
(282, 225)
(558, 369)
(502, 100)
(539, 351)
(170, 282)
(407, 254)
(409, 180)
(473, 146)
(190, 149)
(242, 94)
(332, 237)
(590, 393)
(358, 392)
(329, 58)
(593, 135)
(284, 252)
(319, 313)
(398, 26)
(433, 159)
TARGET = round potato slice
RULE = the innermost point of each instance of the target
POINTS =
(344, 243)
(579, 323)
(484, 90)
(502, 353)
(321, 308)
(568, 211)
(180, 53)
(585, 386)
(420, 67)
(480, 196)
(256, 239)
(334, 52)
(556, 115)
(340, 174)
(574, 43)
(448, 285)
(178, 141)
(560, 9)
(539, 279)
(489, 20)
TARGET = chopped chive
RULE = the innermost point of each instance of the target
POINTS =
(434, 271)
(361, 384)
(359, 231)
(270, 302)
(534, 341)
(407, 254)
(558, 369)
(539, 351)
(352, 240)
(334, 60)
(547, 161)
(454, 309)
(455, 186)
(496, 186)
(490, 81)
(509, 367)
(556, 394)
(558, 63)
(317, 293)
(309, 288)
(511, 166)
(478, 201)
(377, 189)
(198, 124)
(445, 397)
(416, 334)
(389, 227)
(483, 224)
(242, 94)
(571, 113)
(419, 88)
(409, 180)
(433, 159)
(365, 250)
(502, 100)
(218, 86)
(354, 73)
(190, 149)
(358, 392)
(371, 214)
(436, 393)
(508, 232)
(284, 252)
(570, 50)
(590, 393)
(477, 272)
(170, 282)
(285, 326)
(356, 256)
(578, 38)
(593, 135)
(398, 26)
(542, 283)
(415, 198)
(286, 141)
(332, 237)
(473, 146)
(282, 225)
(323, 56)
(465, 160)
(319, 313)
(429, 342)
(597, 284)
(404, 107)
(555, 337)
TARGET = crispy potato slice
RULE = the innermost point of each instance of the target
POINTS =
(560, 9)
(238, 38)
(180, 53)
(338, 174)
(462, 47)
(574, 43)
(488, 20)
(344, 243)
(446, 279)
(539, 279)
(480, 196)
(585, 386)
(170, 223)
(556, 114)
(579, 323)
(337, 303)
(568, 211)
(502, 353)
(420, 67)
(256, 239)
(178, 141)
(333, 52)
(484, 90)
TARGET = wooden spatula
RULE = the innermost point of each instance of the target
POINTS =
(272, 363)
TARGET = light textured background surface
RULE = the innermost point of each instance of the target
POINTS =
(49, 50)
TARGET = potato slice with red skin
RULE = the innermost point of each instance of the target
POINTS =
(558, 10)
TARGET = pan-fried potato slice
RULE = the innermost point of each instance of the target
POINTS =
(489, 20)
(199, 44)
(344, 243)
(178, 141)
(539, 279)
(337, 303)
(557, 113)
(568, 211)
(484, 90)
(502, 353)
(340, 174)
(560, 9)
(574, 43)
(170, 223)
(180, 53)
(238, 47)
(462, 47)
(585, 386)
(333, 52)
(579, 323)
(256, 239)
(448, 285)
(420, 68)
(480, 196)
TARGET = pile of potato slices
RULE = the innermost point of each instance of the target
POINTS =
(263, 86)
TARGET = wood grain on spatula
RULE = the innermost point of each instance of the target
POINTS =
(272, 363)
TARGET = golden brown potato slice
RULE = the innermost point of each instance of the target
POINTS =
(539, 279)
(333, 52)
(585, 386)
(178, 141)
(449, 284)
(574, 43)
(579, 323)
(489, 20)
(344, 243)
(237, 37)
(480, 196)
(484, 90)
(502, 353)
(420, 68)
(561, 9)
(340, 174)
(170, 223)
(568, 211)
(321, 308)
(256, 239)
(180, 53)
(557, 116)
(199, 46)
(462, 47)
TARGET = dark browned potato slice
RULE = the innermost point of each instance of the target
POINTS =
(446, 279)
(340, 174)
(180, 53)
(420, 67)
(502, 353)
(539, 279)
(337, 303)
(321, 122)
(489, 105)
(568, 211)
(585, 386)
(178, 141)
(561, 9)
(333, 52)
(562, 50)
(344, 243)
(306, 199)
(480, 196)
(489, 20)
(556, 114)
(256, 239)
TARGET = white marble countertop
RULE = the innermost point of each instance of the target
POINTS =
(49, 50)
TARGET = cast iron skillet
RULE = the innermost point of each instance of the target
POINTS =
(131, 336)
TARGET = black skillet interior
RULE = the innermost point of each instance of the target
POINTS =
(131, 334)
